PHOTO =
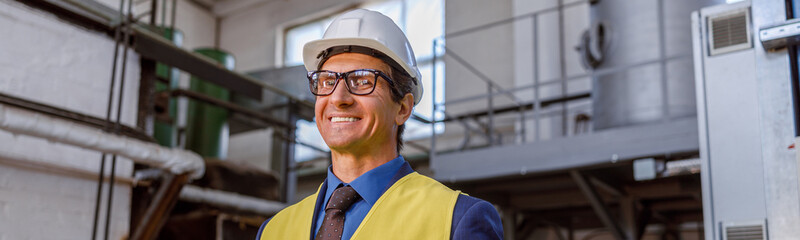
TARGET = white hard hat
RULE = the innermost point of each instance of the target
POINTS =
(361, 28)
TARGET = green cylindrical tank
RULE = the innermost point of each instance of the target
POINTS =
(207, 125)
(164, 132)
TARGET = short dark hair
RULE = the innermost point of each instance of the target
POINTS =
(402, 86)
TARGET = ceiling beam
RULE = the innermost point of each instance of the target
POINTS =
(226, 8)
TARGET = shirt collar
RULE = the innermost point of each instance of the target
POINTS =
(370, 185)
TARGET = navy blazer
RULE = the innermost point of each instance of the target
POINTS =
(473, 218)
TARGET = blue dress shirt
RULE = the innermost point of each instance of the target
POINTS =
(370, 186)
(473, 218)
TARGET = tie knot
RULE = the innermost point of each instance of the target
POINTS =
(342, 198)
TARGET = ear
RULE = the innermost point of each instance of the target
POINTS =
(405, 110)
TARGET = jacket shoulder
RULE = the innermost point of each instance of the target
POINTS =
(475, 218)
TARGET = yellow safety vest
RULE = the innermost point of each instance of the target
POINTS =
(415, 207)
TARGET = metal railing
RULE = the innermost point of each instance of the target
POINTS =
(534, 110)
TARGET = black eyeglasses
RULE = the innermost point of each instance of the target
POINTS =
(359, 82)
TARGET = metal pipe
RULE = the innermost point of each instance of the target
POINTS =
(563, 67)
(102, 170)
(794, 73)
(662, 52)
(24, 122)
(26, 162)
(432, 152)
(230, 106)
(289, 173)
(230, 200)
(153, 11)
(490, 114)
(537, 104)
(126, 37)
(71, 116)
(158, 211)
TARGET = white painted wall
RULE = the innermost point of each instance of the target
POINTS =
(49, 61)
(253, 35)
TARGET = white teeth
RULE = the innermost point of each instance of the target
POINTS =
(344, 119)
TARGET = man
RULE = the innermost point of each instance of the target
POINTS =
(366, 80)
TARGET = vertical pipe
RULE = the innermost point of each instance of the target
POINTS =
(434, 105)
(662, 52)
(793, 10)
(217, 22)
(220, 221)
(563, 65)
(102, 170)
(522, 133)
(164, 12)
(290, 176)
(172, 16)
(491, 113)
(537, 104)
(153, 11)
(126, 37)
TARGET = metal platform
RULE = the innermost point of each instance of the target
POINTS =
(600, 148)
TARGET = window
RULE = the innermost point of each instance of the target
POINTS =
(422, 21)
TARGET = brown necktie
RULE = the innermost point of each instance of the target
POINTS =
(332, 226)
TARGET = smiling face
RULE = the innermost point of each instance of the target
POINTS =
(356, 124)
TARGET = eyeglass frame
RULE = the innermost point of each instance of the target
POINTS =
(343, 75)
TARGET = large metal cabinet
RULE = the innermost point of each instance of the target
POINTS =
(749, 172)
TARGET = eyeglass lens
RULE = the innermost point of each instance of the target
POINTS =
(359, 82)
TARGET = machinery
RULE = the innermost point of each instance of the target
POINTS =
(745, 81)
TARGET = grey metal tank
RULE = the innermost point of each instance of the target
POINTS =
(627, 33)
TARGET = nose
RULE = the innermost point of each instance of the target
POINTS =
(340, 97)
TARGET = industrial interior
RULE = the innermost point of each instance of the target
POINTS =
(576, 119)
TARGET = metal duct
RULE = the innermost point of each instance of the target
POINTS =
(29, 123)
(230, 200)
(634, 32)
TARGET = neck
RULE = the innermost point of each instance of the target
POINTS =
(348, 166)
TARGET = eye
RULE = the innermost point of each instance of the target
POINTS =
(361, 79)
(328, 82)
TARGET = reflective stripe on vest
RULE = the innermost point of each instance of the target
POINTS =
(415, 207)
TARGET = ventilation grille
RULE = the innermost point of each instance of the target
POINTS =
(729, 32)
(751, 231)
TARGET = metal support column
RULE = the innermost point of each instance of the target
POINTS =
(509, 223)
(627, 207)
(598, 205)
(289, 173)
(158, 211)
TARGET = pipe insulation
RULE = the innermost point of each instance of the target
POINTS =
(230, 200)
(177, 161)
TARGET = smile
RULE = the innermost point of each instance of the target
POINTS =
(344, 119)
